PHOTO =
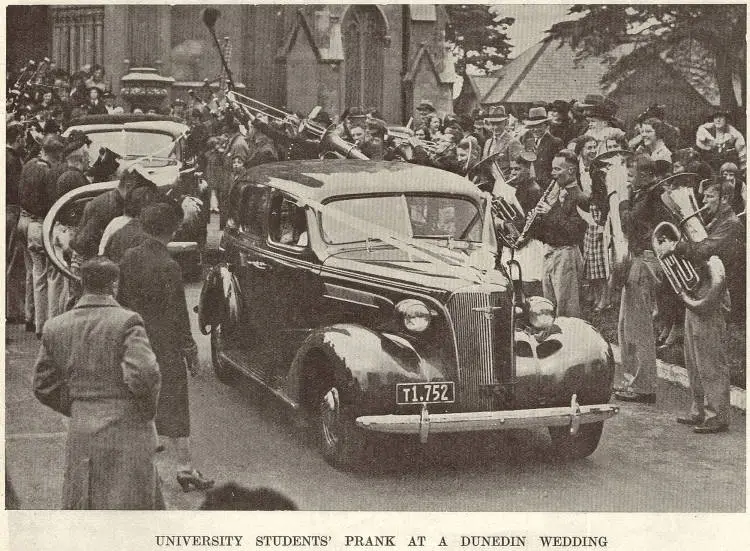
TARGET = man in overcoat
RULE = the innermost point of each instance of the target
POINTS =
(96, 366)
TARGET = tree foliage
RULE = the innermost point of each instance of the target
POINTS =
(651, 30)
(478, 37)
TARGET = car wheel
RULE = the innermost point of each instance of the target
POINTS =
(578, 446)
(341, 441)
(224, 372)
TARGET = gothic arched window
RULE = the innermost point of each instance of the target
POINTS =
(364, 42)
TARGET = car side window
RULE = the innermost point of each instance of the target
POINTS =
(253, 206)
(287, 223)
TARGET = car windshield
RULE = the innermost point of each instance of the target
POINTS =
(132, 144)
(409, 216)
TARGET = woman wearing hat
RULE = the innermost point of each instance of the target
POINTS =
(721, 142)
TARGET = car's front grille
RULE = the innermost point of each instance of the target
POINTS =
(475, 334)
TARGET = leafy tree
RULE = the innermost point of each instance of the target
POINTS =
(653, 29)
(478, 37)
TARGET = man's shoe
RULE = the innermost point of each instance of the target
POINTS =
(692, 419)
(711, 426)
(640, 397)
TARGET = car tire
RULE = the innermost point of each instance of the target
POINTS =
(341, 442)
(570, 447)
(224, 372)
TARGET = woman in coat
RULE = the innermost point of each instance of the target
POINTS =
(151, 284)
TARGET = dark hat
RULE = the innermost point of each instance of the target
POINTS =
(601, 111)
(353, 112)
(76, 140)
(537, 115)
(654, 110)
(322, 117)
(496, 113)
(590, 100)
(559, 106)
(426, 105)
(377, 125)
(51, 126)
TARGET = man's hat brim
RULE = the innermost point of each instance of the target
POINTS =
(535, 122)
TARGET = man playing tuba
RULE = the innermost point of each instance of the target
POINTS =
(705, 327)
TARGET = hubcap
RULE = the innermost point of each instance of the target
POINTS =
(329, 416)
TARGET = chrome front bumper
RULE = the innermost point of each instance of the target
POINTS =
(425, 423)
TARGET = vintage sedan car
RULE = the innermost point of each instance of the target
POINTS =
(364, 295)
(158, 144)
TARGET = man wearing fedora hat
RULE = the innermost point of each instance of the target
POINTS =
(542, 143)
(721, 142)
(501, 140)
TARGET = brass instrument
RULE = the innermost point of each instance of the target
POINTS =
(697, 287)
(533, 214)
(31, 77)
(509, 212)
(251, 108)
(613, 166)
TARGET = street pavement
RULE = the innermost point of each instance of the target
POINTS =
(645, 461)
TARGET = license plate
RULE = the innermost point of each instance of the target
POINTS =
(426, 393)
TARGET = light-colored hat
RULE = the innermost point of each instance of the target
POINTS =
(537, 115)
(496, 114)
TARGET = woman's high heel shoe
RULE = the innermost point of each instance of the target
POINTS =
(193, 478)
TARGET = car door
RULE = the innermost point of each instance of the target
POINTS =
(292, 281)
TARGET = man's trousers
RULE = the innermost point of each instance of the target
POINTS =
(705, 360)
(563, 269)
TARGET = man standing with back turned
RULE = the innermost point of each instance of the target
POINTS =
(96, 366)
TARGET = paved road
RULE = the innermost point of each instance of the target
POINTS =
(645, 461)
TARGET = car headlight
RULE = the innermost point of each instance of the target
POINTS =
(541, 313)
(415, 315)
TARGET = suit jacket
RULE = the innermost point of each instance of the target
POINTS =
(725, 240)
(506, 144)
(546, 150)
(129, 236)
(98, 213)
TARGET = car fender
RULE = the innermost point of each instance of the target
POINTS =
(365, 363)
(576, 359)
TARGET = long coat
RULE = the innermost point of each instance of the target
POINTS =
(96, 366)
(151, 284)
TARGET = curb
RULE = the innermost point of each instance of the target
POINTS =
(679, 375)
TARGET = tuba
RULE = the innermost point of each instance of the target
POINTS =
(699, 287)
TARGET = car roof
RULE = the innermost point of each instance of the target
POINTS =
(319, 180)
(132, 123)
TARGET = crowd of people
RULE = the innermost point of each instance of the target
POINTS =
(544, 165)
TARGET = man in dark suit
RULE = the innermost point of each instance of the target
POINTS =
(108, 384)
(15, 139)
(151, 284)
(539, 140)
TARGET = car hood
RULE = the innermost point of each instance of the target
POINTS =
(397, 266)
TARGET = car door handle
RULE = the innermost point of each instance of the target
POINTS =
(259, 265)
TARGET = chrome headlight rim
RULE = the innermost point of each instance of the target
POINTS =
(414, 315)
